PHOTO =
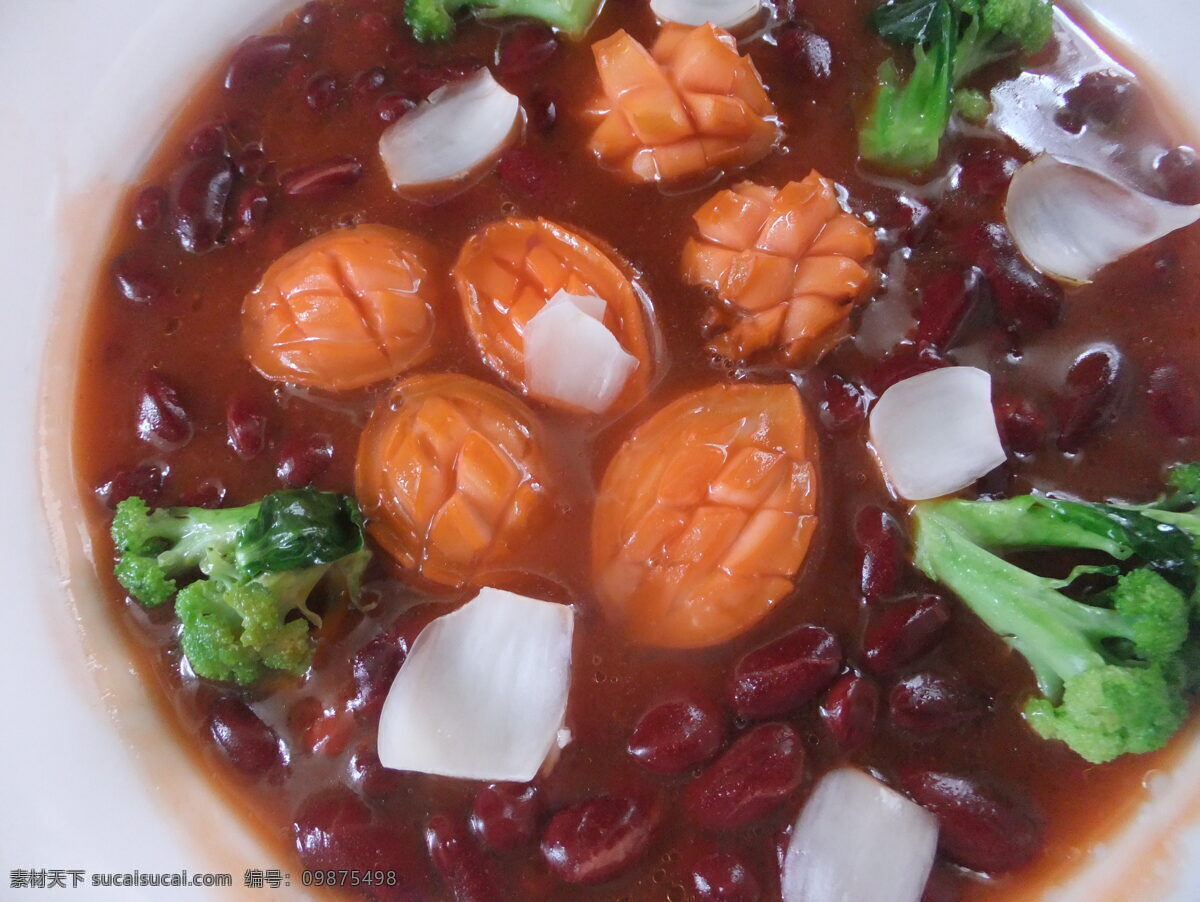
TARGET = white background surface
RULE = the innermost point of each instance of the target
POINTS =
(82, 91)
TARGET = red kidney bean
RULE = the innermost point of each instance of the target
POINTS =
(207, 493)
(144, 481)
(984, 172)
(250, 212)
(598, 839)
(721, 876)
(541, 111)
(302, 459)
(523, 49)
(505, 815)
(1177, 175)
(1173, 401)
(946, 301)
(376, 781)
(369, 81)
(334, 830)
(1025, 301)
(258, 58)
(211, 140)
(786, 673)
(928, 702)
(901, 632)
(905, 216)
(849, 710)
(315, 14)
(1022, 425)
(318, 178)
(149, 204)
(251, 161)
(245, 426)
(676, 735)
(199, 195)
(880, 553)
(1090, 402)
(375, 667)
(810, 54)
(984, 827)
(844, 405)
(321, 92)
(139, 278)
(250, 745)
(904, 361)
(525, 169)
(161, 418)
(756, 774)
(464, 869)
(943, 885)
(322, 817)
(392, 106)
(1103, 98)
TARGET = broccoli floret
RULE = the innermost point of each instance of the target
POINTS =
(1110, 711)
(257, 565)
(157, 547)
(951, 40)
(973, 106)
(1111, 668)
(433, 20)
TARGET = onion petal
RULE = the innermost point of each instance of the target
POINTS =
(483, 692)
(936, 433)
(1071, 222)
(451, 134)
(572, 357)
(856, 839)
(722, 13)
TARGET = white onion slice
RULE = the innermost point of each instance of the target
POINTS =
(451, 134)
(936, 433)
(859, 841)
(590, 304)
(722, 13)
(572, 357)
(1071, 222)
(483, 692)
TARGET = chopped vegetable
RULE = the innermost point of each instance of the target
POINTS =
(1110, 666)
(951, 40)
(788, 263)
(433, 20)
(452, 477)
(857, 839)
(1071, 222)
(936, 433)
(572, 358)
(483, 693)
(451, 134)
(722, 13)
(705, 515)
(691, 105)
(257, 565)
(507, 272)
(344, 310)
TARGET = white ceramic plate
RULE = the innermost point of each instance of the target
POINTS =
(90, 780)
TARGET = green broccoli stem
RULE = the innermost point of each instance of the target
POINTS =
(194, 532)
(433, 20)
(1024, 522)
(978, 46)
(1056, 635)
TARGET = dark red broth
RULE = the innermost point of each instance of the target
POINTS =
(1095, 388)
